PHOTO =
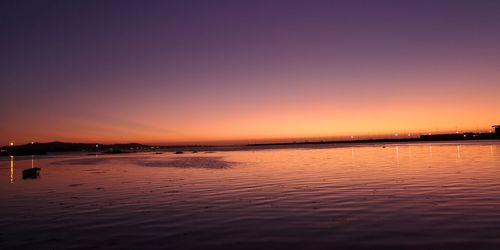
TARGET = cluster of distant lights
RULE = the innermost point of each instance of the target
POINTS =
(409, 134)
(396, 135)
(12, 143)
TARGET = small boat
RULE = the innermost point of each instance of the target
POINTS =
(179, 152)
(31, 173)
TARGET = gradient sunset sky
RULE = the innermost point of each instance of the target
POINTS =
(196, 71)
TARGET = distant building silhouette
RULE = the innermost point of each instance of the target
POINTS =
(463, 136)
(447, 137)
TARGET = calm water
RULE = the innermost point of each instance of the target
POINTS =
(410, 196)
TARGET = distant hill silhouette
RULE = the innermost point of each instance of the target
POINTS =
(44, 148)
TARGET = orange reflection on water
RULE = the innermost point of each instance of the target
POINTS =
(11, 169)
(434, 192)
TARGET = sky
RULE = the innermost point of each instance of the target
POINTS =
(206, 71)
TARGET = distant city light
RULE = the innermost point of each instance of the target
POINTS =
(97, 145)
(12, 144)
(32, 142)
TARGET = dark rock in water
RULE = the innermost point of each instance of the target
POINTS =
(31, 173)
(179, 152)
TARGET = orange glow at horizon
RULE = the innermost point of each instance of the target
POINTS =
(311, 115)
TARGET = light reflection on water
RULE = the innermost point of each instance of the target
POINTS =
(421, 196)
(11, 169)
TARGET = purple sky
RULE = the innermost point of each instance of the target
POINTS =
(160, 71)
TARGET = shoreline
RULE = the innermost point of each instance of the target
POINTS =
(204, 149)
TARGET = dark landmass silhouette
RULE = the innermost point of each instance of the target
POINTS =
(52, 147)
(93, 148)
(116, 151)
(423, 138)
